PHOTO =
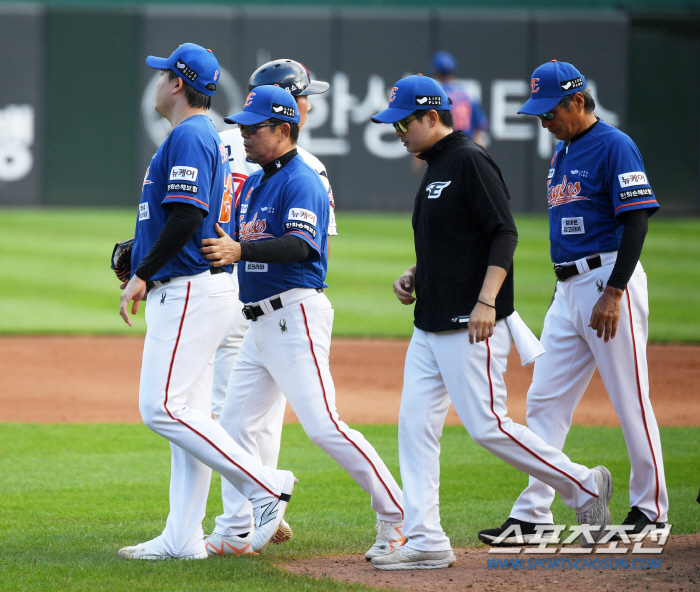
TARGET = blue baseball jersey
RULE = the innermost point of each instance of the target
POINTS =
(292, 201)
(190, 167)
(591, 182)
(466, 111)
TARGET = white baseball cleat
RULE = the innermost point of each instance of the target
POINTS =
(599, 512)
(220, 544)
(269, 513)
(389, 538)
(407, 558)
(283, 534)
(154, 550)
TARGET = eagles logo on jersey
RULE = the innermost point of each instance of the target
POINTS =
(435, 189)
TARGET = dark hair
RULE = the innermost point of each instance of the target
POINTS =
(588, 102)
(293, 128)
(195, 98)
(444, 115)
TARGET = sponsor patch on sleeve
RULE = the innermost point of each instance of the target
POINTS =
(572, 226)
(632, 193)
(186, 187)
(305, 226)
(302, 215)
(183, 173)
(144, 214)
(255, 267)
(632, 179)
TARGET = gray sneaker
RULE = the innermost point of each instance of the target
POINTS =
(599, 512)
(407, 558)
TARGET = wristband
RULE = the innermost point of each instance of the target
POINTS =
(491, 305)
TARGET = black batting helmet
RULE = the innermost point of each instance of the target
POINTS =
(288, 74)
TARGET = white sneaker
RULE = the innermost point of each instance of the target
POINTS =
(283, 534)
(389, 538)
(269, 513)
(407, 558)
(599, 512)
(154, 550)
(219, 544)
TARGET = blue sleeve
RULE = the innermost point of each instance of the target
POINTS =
(628, 183)
(189, 166)
(306, 211)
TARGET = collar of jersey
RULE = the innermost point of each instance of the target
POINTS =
(440, 145)
(272, 167)
(584, 132)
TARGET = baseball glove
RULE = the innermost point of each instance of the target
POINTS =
(121, 259)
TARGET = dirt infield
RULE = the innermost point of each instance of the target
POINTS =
(96, 379)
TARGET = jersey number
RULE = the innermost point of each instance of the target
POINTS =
(227, 200)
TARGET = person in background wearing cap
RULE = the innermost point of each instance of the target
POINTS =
(465, 238)
(295, 78)
(187, 190)
(281, 241)
(467, 113)
(599, 203)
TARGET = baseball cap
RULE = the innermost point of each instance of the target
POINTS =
(411, 94)
(266, 102)
(290, 75)
(549, 84)
(197, 66)
(443, 62)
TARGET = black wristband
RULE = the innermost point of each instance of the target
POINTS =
(490, 305)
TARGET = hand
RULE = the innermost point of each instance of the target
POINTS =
(404, 287)
(606, 313)
(134, 290)
(481, 322)
(220, 251)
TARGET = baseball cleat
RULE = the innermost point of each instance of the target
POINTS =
(639, 521)
(599, 512)
(389, 538)
(219, 544)
(407, 558)
(512, 532)
(283, 534)
(269, 513)
(154, 550)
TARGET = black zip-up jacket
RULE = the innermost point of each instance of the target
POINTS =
(461, 203)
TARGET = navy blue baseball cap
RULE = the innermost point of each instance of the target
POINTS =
(266, 102)
(443, 62)
(550, 83)
(411, 94)
(197, 66)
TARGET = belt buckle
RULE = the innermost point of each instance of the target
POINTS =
(249, 314)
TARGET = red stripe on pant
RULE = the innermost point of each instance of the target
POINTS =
(641, 406)
(189, 427)
(337, 427)
(500, 427)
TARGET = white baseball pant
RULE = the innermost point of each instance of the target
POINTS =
(290, 347)
(562, 374)
(444, 366)
(186, 320)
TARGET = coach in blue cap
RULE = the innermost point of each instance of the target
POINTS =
(599, 200)
(464, 321)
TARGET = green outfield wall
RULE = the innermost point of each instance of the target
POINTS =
(77, 125)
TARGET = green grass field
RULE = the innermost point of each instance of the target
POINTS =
(55, 275)
(72, 495)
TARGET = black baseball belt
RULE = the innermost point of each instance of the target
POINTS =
(564, 272)
(253, 311)
(158, 283)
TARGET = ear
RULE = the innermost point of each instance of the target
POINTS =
(285, 131)
(177, 85)
(433, 118)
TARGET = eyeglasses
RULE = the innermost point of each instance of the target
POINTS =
(402, 126)
(550, 114)
(250, 130)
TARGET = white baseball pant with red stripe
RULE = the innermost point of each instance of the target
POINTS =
(288, 349)
(444, 366)
(269, 438)
(186, 320)
(562, 374)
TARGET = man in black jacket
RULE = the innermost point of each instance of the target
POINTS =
(465, 238)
